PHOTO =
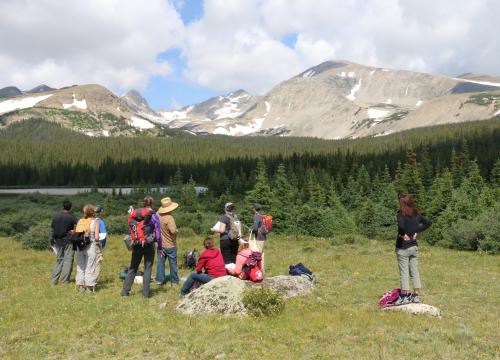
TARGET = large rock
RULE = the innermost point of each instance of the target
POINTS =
(288, 286)
(224, 295)
(417, 309)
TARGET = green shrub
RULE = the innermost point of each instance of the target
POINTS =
(186, 232)
(37, 237)
(263, 302)
(116, 225)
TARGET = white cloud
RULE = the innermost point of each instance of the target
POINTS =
(237, 43)
(111, 42)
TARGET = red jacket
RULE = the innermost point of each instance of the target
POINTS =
(211, 260)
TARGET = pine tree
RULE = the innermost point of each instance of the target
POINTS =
(495, 175)
(189, 197)
(261, 192)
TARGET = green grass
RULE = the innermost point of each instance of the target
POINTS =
(339, 320)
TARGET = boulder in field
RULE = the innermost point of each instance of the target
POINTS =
(224, 295)
(288, 286)
(417, 309)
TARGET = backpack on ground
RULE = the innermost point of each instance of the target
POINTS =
(141, 227)
(191, 258)
(266, 224)
(234, 232)
(299, 270)
(389, 298)
(252, 269)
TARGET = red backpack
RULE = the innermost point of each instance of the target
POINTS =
(267, 224)
(389, 297)
(141, 227)
(252, 270)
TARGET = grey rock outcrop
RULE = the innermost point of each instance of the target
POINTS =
(417, 309)
(224, 295)
(288, 286)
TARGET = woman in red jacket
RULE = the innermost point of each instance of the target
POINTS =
(211, 261)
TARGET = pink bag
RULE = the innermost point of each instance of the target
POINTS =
(389, 297)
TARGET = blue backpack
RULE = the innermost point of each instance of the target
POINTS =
(299, 269)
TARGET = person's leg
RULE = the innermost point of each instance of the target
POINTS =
(187, 284)
(260, 248)
(134, 266)
(99, 260)
(172, 264)
(91, 269)
(149, 258)
(234, 251)
(203, 278)
(403, 260)
(417, 285)
(81, 261)
(58, 266)
(160, 269)
(67, 268)
(225, 249)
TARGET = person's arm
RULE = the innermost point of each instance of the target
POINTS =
(424, 224)
(201, 263)
(222, 227)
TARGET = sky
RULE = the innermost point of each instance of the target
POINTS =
(179, 52)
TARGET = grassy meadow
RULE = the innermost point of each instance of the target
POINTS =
(339, 320)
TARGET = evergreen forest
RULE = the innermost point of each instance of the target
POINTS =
(312, 187)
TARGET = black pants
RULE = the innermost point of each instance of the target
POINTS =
(148, 252)
(229, 250)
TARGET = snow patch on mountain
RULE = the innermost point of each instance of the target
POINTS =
(349, 74)
(488, 83)
(80, 104)
(497, 113)
(176, 114)
(419, 102)
(141, 123)
(239, 129)
(354, 90)
(24, 103)
(377, 113)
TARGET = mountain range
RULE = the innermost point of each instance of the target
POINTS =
(333, 100)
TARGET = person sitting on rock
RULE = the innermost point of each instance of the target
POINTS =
(211, 261)
(244, 253)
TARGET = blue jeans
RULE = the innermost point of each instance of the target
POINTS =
(203, 278)
(172, 264)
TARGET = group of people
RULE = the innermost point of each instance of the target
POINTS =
(213, 262)
(89, 257)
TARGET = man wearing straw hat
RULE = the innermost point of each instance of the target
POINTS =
(169, 242)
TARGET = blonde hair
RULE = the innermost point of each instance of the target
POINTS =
(208, 243)
(243, 245)
(88, 211)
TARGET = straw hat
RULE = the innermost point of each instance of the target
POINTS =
(167, 205)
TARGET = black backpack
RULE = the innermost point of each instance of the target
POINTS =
(190, 259)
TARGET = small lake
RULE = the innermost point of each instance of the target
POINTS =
(74, 191)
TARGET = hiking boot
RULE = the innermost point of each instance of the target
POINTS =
(402, 300)
(414, 298)
(123, 293)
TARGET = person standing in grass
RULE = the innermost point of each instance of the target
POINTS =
(103, 237)
(211, 261)
(87, 257)
(410, 222)
(228, 246)
(63, 225)
(167, 248)
(146, 251)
